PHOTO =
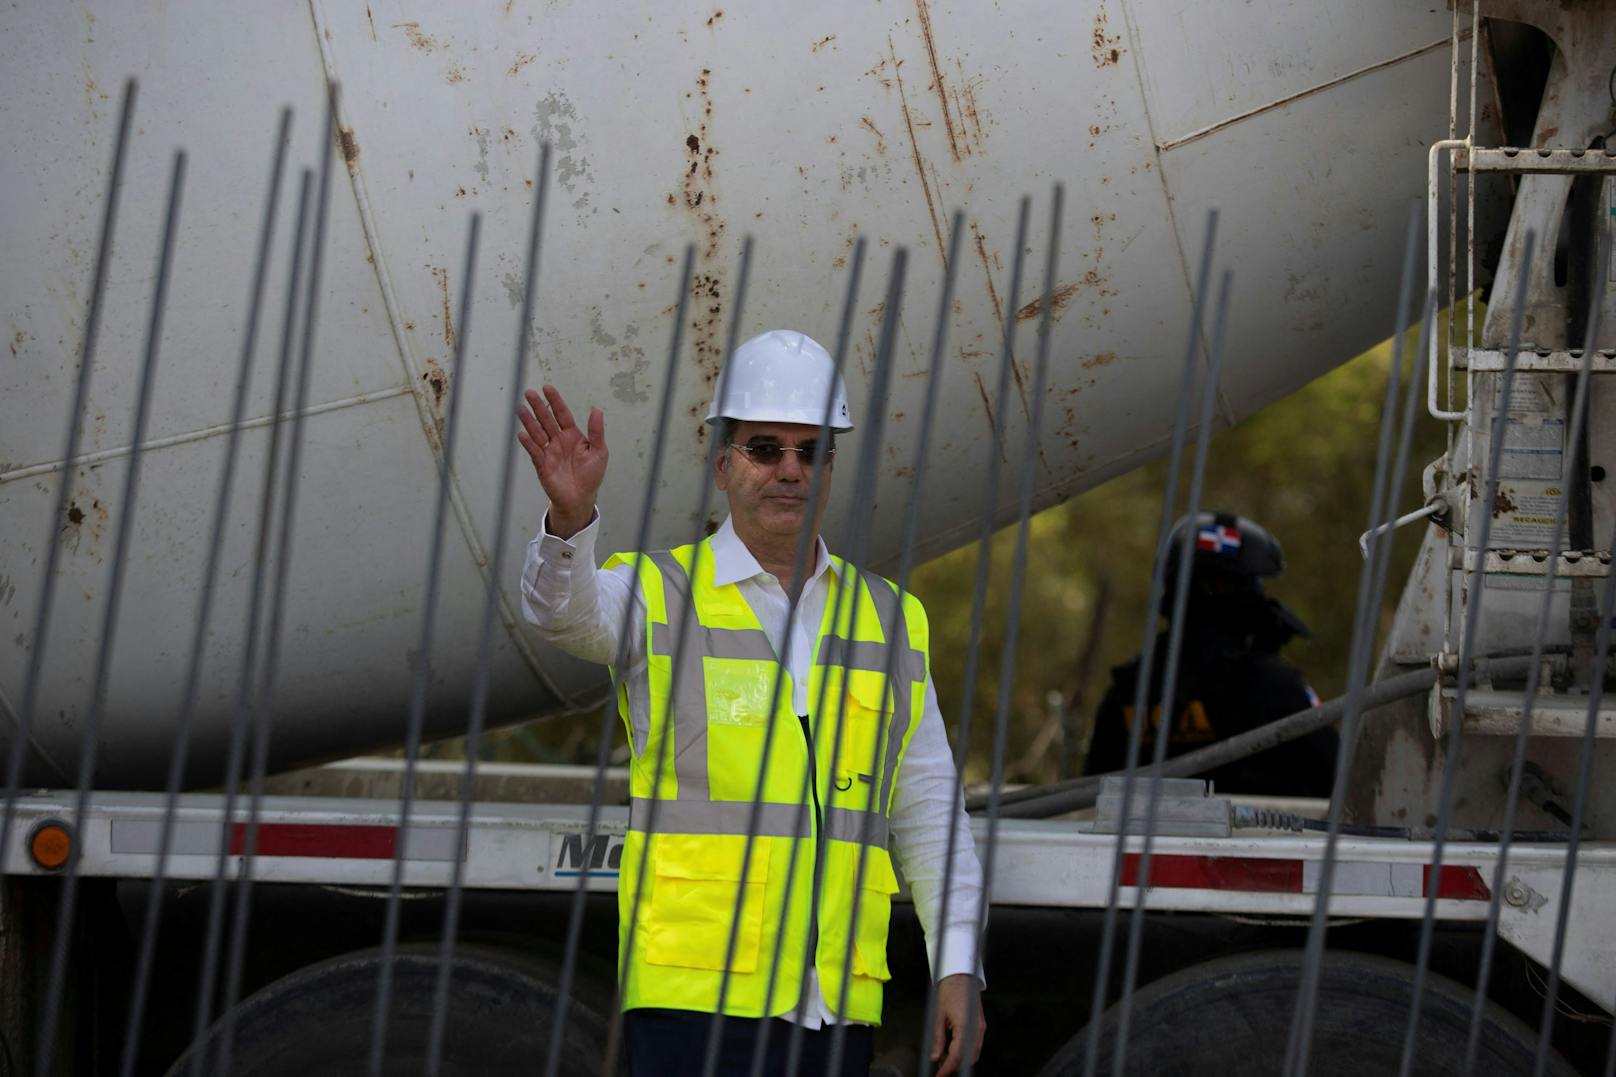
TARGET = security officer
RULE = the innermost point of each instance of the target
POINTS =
(857, 751)
(1231, 677)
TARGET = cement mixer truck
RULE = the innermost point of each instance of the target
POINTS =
(817, 133)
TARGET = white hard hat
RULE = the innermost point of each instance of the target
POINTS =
(782, 376)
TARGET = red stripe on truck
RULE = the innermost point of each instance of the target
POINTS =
(1250, 873)
(1270, 876)
(1459, 883)
(352, 842)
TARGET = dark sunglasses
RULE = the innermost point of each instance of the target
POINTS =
(770, 455)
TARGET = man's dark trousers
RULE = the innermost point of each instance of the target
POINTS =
(673, 1043)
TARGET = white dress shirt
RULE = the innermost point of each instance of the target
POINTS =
(580, 609)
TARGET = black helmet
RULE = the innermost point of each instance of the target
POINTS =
(1227, 544)
(1231, 557)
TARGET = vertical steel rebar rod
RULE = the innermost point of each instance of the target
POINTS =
(575, 918)
(805, 544)
(1185, 552)
(262, 710)
(1378, 564)
(919, 467)
(846, 592)
(213, 938)
(681, 643)
(244, 717)
(152, 921)
(61, 943)
(1018, 575)
(478, 705)
(962, 737)
(891, 317)
(990, 493)
(1147, 649)
(1517, 766)
(854, 554)
(911, 531)
(1371, 584)
(75, 434)
(1467, 651)
(416, 720)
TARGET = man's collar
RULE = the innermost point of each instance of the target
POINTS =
(733, 562)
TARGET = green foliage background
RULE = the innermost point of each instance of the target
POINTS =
(1302, 467)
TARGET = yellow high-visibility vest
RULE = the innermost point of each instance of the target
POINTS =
(711, 703)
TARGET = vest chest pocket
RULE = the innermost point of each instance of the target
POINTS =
(864, 722)
(687, 920)
(875, 913)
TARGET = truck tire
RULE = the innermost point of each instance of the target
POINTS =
(316, 1021)
(1233, 1015)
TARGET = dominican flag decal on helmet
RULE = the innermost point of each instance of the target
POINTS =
(1217, 538)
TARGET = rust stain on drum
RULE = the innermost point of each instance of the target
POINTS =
(73, 529)
(1062, 299)
(700, 200)
(920, 162)
(878, 72)
(441, 274)
(349, 145)
(965, 100)
(419, 41)
(937, 79)
(1105, 48)
(987, 409)
(437, 380)
(987, 271)
(880, 139)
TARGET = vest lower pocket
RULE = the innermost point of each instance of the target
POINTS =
(875, 914)
(691, 908)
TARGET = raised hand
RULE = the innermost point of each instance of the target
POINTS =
(571, 463)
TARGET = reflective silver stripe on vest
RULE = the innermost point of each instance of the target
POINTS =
(688, 695)
(871, 656)
(751, 644)
(720, 817)
(637, 683)
(889, 607)
(846, 824)
(734, 817)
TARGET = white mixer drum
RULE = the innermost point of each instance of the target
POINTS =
(803, 125)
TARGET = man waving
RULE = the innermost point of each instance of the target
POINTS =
(857, 758)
